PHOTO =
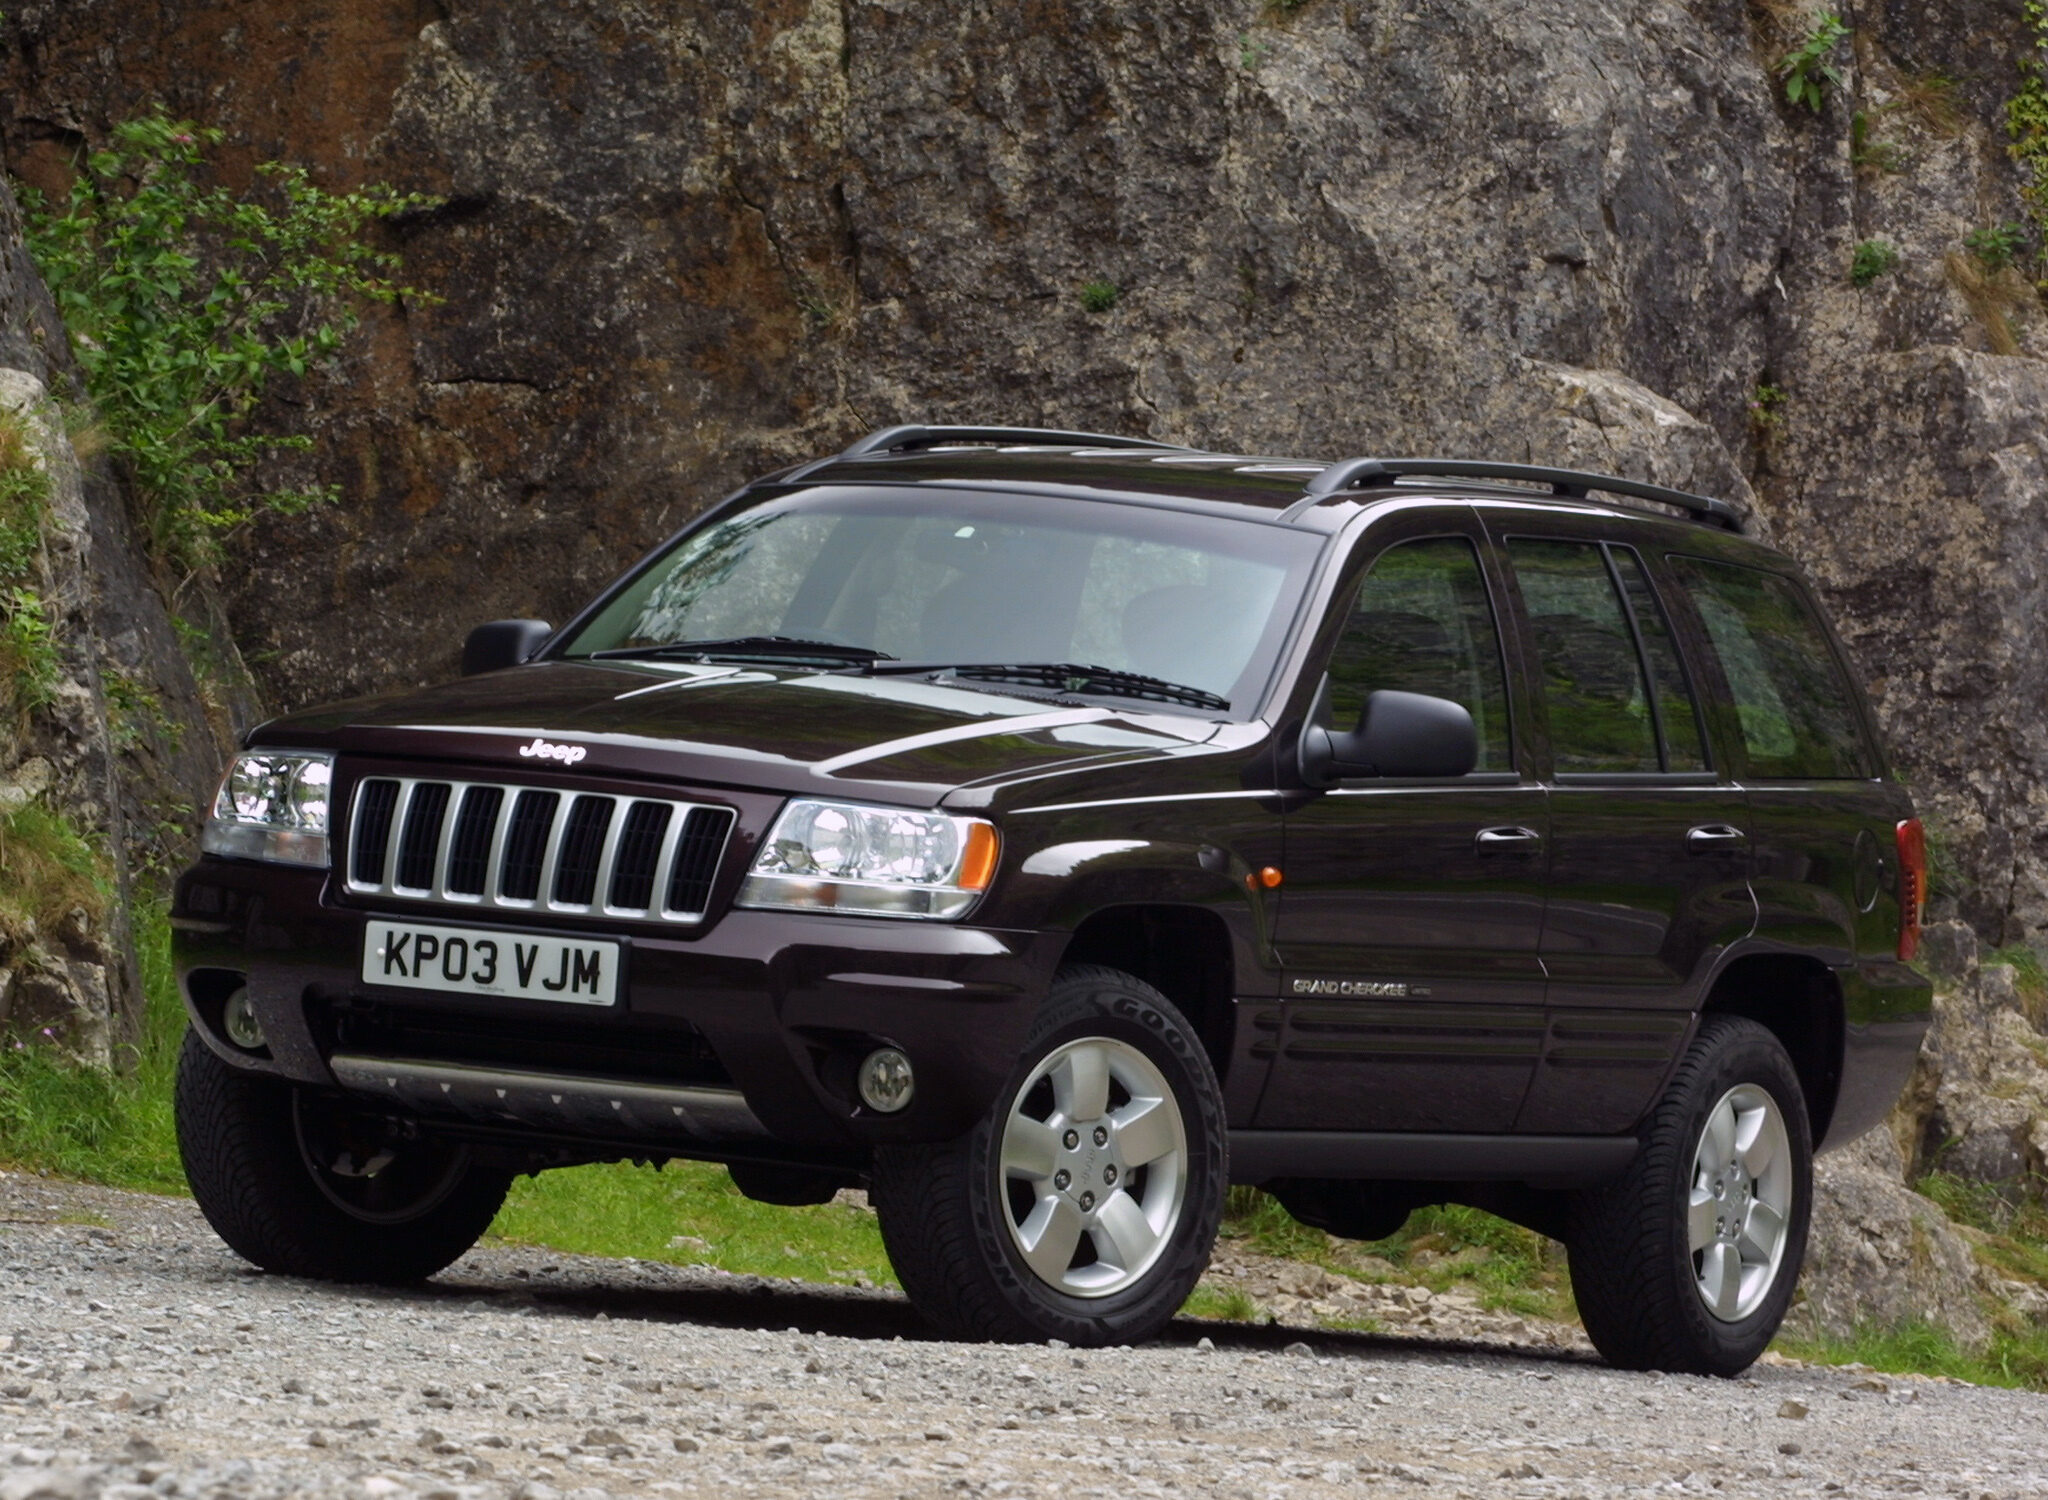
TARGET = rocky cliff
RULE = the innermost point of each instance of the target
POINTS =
(117, 746)
(682, 242)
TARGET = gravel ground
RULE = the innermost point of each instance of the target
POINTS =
(138, 1358)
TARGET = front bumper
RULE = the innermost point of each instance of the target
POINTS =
(772, 1010)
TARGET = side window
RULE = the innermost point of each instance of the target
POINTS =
(1678, 716)
(1599, 704)
(1422, 624)
(1613, 680)
(1798, 718)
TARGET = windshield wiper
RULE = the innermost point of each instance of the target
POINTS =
(749, 646)
(1068, 677)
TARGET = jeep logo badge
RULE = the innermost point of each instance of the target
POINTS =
(540, 749)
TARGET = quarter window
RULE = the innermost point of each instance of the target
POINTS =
(1613, 684)
(1422, 623)
(1797, 715)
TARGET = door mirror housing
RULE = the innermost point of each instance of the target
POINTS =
(1398, 734)
(502, 643)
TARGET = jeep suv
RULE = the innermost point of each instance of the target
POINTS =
(1048, 831)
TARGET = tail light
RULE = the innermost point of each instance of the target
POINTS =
(1912, 885)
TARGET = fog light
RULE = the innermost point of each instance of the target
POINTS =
(885, 1081)
(238, 1020)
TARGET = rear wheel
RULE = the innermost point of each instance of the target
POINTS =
(1688, 1261)
(1084, 1206)
(307, 1185)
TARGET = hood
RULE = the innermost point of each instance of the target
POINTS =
(901, 739)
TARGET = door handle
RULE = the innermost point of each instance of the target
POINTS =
(1508, 840)
(1715, 838)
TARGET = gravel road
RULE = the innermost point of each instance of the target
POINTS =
(139, 1358)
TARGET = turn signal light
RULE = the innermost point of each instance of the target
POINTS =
(978, 864)
(1912, 885)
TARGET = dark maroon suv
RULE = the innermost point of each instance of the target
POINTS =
(1049, 830)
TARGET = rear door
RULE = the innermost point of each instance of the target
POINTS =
(1409, 921)
(1819, 819)
(1650, 844)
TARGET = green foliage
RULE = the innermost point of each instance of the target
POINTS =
(1872, 259)
(1099, 296)
(1506, 1266)
(1807, 70)
(1767, 404)
(47, 867)
(2026, 120)
(28, 652)
(2017, 1357)
(1869, 154)
(1997, 246)
(184, 301)
(112, 1128)
(1232, 1306)
(689, 1213)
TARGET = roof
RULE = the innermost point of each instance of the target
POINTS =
(1316, 493)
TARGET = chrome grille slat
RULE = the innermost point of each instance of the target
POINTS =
(368, 815)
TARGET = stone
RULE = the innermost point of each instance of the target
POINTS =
(1880, 1254)
(1793, 1410)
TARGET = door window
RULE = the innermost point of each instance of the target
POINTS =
(1798, 718)
(1613, 684)
(1422, 623)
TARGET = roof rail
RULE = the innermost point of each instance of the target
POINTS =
(1356, 473)
(903, 439)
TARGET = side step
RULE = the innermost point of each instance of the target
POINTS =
(552, 1101)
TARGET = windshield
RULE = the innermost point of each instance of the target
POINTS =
(960, 578)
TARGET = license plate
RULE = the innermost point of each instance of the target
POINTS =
(465, 961)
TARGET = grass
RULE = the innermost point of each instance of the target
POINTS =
(2030, 978)
(2016, 1359)
(1447, 1248)
(1099, 296)
(97, 1127)
(1872, 259)
(2010, 1231)
(688, 1213)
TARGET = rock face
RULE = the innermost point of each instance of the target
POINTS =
(682, 243)
(122, 741)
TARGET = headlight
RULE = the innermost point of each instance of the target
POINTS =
(874, 861)
(272, 805)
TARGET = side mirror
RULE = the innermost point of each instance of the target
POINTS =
(1399, 734)
(502, 643)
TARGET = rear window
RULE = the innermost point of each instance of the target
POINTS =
(1796, 709)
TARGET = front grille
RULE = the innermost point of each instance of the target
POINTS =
(523, 849)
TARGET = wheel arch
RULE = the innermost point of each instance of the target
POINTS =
(1799, 1001)
(1182, 950)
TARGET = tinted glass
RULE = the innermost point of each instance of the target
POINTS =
(1685, 747)
(1599, 705)
(1422, 624)
(961, 577)
(1796, 711)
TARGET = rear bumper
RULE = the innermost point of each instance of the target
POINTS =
(763, 1018)
(1886, 1010)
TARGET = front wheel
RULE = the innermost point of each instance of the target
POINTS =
(1687, 1262)
(1084, 1206)
(304, 1184)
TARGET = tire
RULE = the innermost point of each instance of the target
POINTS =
(1687, 1262)
(253, 1147)
(1011, 1234)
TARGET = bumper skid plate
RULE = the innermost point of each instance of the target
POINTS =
(552, 1101)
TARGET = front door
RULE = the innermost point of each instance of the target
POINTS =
(1409, 922)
